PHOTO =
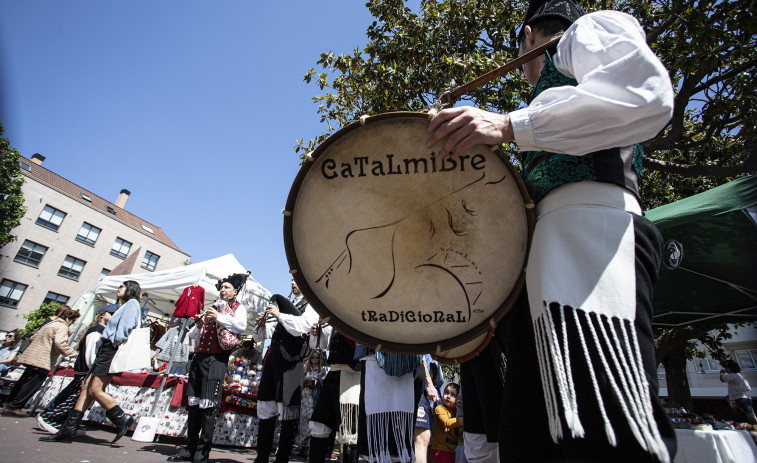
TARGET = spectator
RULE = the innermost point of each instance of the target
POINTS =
(8, 351)
(52, 419)
(422, 433)
(315, 372)
(738, 389)
(40, 357)
(248, 352)
(115, 333)
(28, 339)
(446, 426)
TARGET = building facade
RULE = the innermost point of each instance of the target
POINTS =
(68, 239)
(707, 391)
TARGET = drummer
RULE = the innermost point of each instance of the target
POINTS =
(594, 259)
(281, 382)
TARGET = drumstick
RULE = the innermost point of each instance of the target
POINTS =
(457, 92)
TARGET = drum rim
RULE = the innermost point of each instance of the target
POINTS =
(362, 337)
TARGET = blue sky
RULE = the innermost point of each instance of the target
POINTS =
(193, 106)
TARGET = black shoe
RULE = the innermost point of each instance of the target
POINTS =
(122, 421)
(183, 455)
(68, 430)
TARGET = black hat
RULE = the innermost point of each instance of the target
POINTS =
(236, 280)
(566, 10)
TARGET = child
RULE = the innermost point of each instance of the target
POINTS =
(446, 427)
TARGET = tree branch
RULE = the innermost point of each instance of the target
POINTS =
(747, 167)
(725, 76)
(679, 112)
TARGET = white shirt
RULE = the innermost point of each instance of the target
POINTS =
(325, 338)
(295, 325)
(236, 323)
(92, 343)
(738, 388)
(624, 94)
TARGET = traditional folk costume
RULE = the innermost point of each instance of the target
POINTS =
(481, 378)
(337, 406)
(581, 347)
(280, 388)
(207, 373)
(389, 393)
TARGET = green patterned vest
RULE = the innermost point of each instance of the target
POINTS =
(542, 171)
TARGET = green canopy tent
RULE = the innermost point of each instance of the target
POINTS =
(710, 257)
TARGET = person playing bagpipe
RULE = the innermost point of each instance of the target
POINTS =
(208, 367)
(286, 324)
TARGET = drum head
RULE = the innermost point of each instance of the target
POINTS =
(403, 251)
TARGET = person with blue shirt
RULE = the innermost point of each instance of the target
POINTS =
(115, 333)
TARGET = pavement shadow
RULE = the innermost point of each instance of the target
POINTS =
(83, 439)
(161, 449)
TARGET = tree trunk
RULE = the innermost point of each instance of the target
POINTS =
(674, 362)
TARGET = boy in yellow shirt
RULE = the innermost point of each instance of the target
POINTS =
(446, 427)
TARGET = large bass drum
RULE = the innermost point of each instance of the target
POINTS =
(403, 251)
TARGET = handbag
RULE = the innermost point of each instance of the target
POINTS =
(226, 338)
(134, 354)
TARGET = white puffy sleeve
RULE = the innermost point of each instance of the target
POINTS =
(325, 337)
(236, 323)
(624, 94)
(299, 325)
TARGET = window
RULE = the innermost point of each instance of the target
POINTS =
(26, 166)
(150, 261)
(147, 229)
(30, 253)
(103, 273)
(86, 197)
(11, 292)
(707, 365)
(120, 248)
(51, 218)
(661, 374)
(55, 297)
(747, 359)
(88, 234)
(110, 209)
(71, 268)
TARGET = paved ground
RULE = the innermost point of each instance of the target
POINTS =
(19, 444)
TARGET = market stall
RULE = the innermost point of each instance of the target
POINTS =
(165, 287)
(160, 396)
(136, 393)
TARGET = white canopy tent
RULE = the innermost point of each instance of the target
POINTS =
(165, 287)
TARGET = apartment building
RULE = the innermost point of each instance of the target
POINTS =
(707, 391)
(70, 237)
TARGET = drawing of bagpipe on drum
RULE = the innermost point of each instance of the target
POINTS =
(404, 251)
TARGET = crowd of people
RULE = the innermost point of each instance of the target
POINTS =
(571, 369)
